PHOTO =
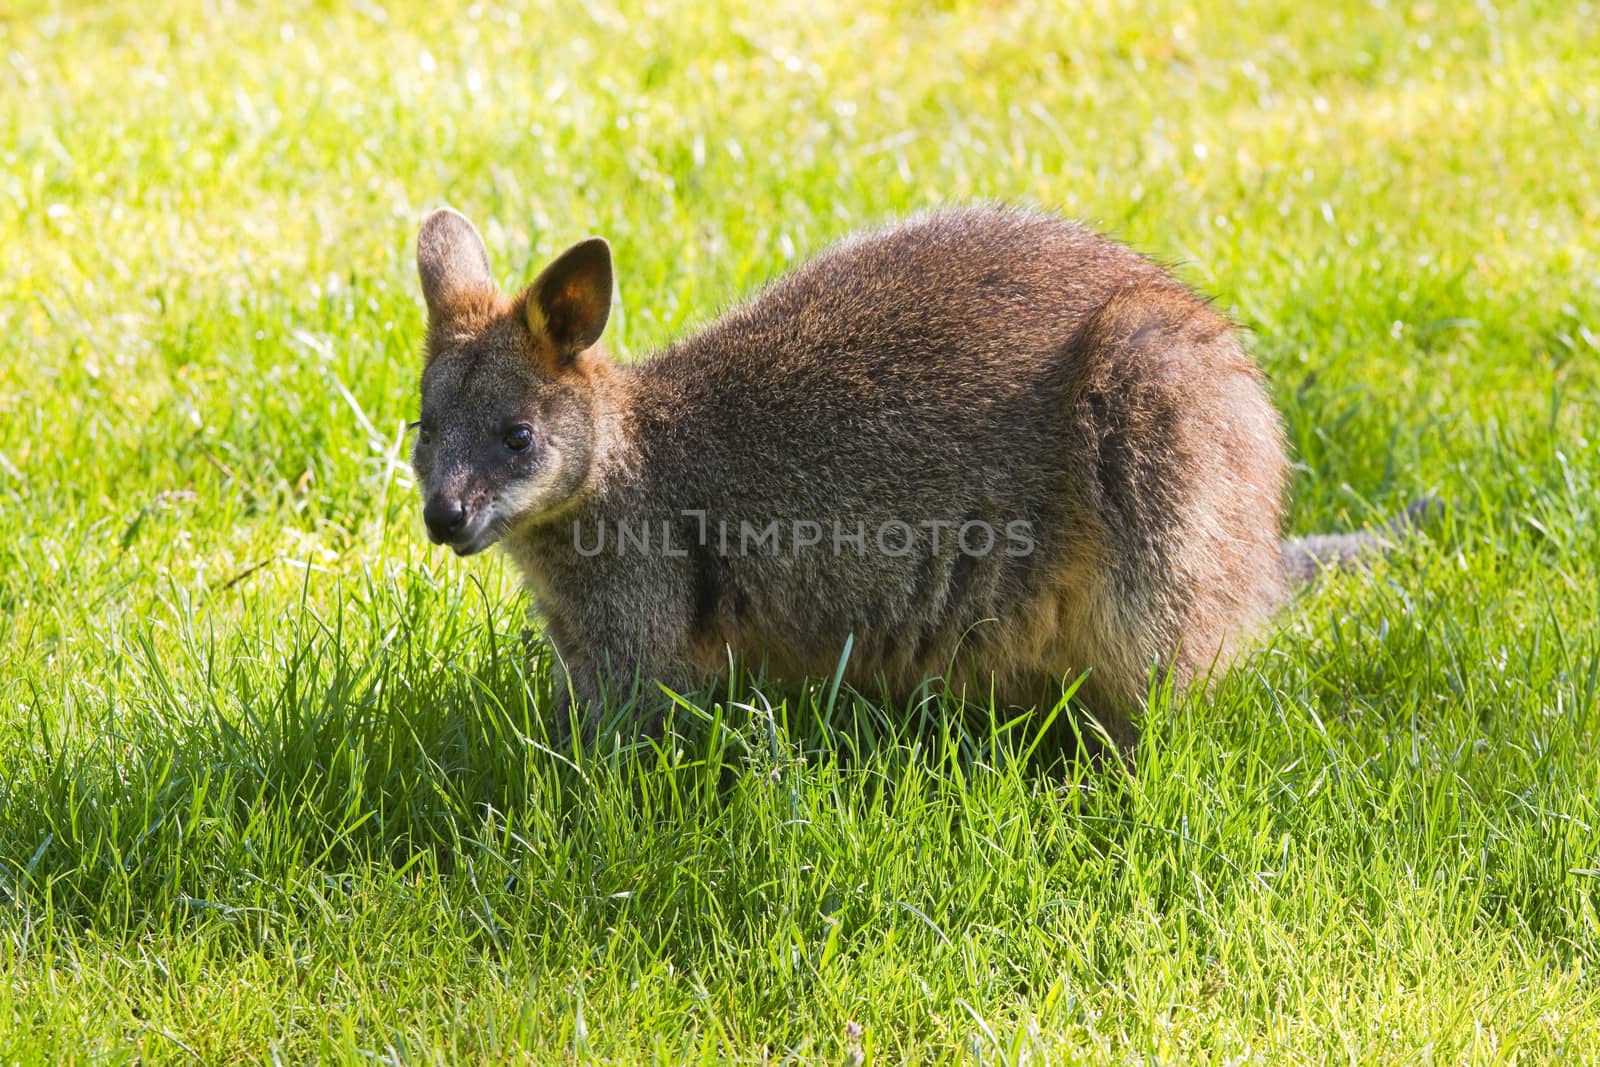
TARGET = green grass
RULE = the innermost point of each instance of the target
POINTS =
(274, 783)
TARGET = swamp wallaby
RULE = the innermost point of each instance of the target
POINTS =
(984, 444)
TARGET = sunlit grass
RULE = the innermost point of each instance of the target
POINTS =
(274, 777)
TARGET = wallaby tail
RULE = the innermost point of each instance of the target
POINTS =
(1306, 557)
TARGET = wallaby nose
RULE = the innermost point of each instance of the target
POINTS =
(445, 518)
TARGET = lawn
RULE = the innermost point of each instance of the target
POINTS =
(274, 779)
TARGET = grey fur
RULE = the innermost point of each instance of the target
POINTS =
(973, 366)
(1305, 558)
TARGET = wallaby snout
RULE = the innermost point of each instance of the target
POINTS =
(445, 518)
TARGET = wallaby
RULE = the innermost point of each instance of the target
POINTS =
(984, 444)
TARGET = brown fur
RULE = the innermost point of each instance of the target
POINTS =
(973, 365)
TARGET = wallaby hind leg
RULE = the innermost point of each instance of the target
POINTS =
(1188, 469)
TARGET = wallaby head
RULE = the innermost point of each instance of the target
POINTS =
(508, 429)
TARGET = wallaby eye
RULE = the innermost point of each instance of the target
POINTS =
(518, 438)
(424, 432)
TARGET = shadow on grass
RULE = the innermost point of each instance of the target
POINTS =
(232, 776)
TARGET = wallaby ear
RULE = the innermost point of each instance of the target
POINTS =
(452, 262)
(570, 301)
